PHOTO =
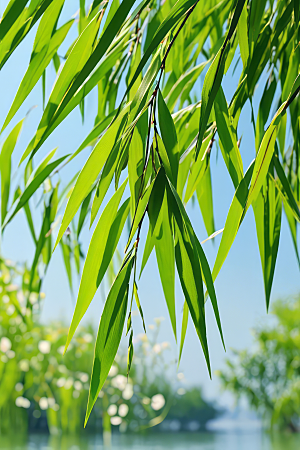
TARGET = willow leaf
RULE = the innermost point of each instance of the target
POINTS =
(100, 253)
(90, 171)
(5, 166)
(110, 332)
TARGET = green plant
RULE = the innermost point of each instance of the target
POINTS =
(37, 380)
(154, 145)
(269, 376)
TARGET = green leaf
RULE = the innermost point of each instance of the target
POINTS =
(78, 67)
(233, 220)
(74, 64)
(139, 212)
(210, 286)
(262, 161)
(110, 332)
(184, 85)
(256, 13)
(83, 212)
(90, 172)
(285, 189)
(32, 187)
(169, 136)
(267, 211)
(100, 253)
(198, 168)
(149, 246)
(185, 318)
(242, 31)
(214, 75)
(228, 139)
(66, 251)
(188, 268)
(10, 15)
(174, 16)
(105, 180)
(135, 167)
(161, 226)
(205, 200)
(36, 68)
(138, 304)
(5, 166)
(130, 353)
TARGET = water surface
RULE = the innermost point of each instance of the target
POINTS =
(159, 441)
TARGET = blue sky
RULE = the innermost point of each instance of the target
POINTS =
(239, 285)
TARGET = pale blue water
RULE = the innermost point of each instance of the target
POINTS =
(159, 441)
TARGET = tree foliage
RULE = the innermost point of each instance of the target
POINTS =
(269, 376)
(153, 146)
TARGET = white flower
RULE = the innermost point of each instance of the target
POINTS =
(146, 401)
(61, 382)
(69, 383)
(112, 410)
(44, 347)
(128, 392)
(84, 377)
(20, 296)
(11, 288)
(113, 371)
(33, 298)
(157, 402)
(24, 365)
(157, 348)
(10, 310)
(180, 376)
(78, 385)
(88, 337)
(43, 403)
(10, 354)
(119, 382)
(51, 402)
(5, 344)
(18, 387)
(116, 420)
(181, 391)
(61, 349)
(123, 410)
(22, 402)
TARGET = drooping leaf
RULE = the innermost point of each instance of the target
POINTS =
(90, 172)
(185, 318)
(100, 253)
(5, 166)
(110, 332)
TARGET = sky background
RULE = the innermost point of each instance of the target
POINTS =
(239, 286)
